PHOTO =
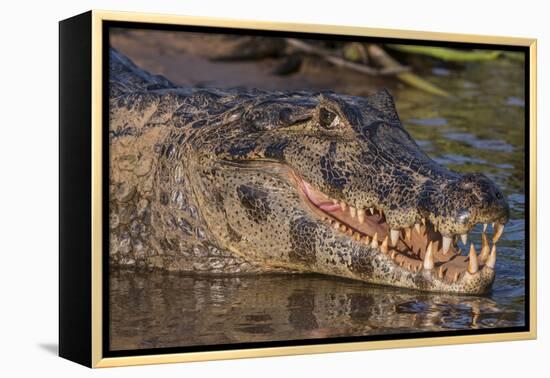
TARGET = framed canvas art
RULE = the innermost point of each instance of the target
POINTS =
(235, 189)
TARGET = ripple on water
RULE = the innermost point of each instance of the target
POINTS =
(486, 144)
(514, 101)
(427, 121)
(447, 159)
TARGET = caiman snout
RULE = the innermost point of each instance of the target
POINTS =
(438, 248)
(463, 203)
(487, 197)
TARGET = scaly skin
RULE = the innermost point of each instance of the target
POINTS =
(217, 181)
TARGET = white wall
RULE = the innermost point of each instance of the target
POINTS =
(28, 207)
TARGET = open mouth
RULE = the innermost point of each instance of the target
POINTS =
(419, 247)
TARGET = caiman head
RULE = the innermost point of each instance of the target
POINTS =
(334, 184)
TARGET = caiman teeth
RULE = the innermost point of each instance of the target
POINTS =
(491, 261)
(428, 257)
(499, 229)
(408, 235)
(441, 272)
(374, 243)
(343, 206)
(484, 247)
(455, 277)
(394, 235)
(384, 246)
(484, 227)
(446, 244)
(361, 216)
(415, 262)
(472, 263)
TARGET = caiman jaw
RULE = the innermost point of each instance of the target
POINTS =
(417, 248)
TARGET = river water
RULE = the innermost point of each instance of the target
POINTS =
(479, 129)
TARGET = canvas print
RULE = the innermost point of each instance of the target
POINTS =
(270, 188)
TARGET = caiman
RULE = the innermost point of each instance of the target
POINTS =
(251, 181)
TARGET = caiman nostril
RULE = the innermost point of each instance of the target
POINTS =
(464, 217)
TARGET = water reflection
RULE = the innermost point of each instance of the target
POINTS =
(152, 310)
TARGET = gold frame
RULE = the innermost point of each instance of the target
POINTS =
(97, 19)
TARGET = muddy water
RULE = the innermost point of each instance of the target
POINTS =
(479, 129)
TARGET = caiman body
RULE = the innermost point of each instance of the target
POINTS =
(242, 181)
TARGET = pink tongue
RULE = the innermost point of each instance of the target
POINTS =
(329, 206)
(325, 206)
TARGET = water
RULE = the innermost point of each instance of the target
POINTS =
(157, 310)
(479, 129)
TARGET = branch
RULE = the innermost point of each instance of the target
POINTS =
(337, 61)
(381, 58)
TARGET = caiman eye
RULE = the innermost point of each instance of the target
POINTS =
(328, 120)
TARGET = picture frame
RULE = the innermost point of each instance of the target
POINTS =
(84, 296)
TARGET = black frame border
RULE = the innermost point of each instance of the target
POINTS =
(107, 25)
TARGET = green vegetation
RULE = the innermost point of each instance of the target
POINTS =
(447, 54)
